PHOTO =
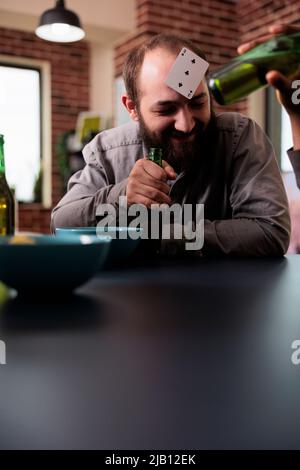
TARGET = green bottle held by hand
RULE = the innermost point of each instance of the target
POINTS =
(156, 155)
(246, 73)
(7, 205)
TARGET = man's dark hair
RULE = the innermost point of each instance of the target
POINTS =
(135, 58)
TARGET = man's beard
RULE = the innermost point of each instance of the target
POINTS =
(182, 156)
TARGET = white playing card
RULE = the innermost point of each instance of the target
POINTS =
(187, 72)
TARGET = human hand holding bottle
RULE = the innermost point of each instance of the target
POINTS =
(277, 80)
(147, 183)
(284, 92)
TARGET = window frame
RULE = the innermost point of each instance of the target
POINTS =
(273, 126)
(264, 108)
(44, 69)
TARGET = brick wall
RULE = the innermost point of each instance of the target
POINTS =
(211, 24)
(70, 95)
(255, 16)
(218, 27)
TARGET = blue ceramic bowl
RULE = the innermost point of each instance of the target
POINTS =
(39, 263)
(124, 240)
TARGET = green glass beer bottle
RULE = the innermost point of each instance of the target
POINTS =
(154, 215)
(156, 155)
(246, 73)
(7, 210)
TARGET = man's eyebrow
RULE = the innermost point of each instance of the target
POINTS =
(203, 94)
(164, 103)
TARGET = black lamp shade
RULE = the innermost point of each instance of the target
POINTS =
(60, 25)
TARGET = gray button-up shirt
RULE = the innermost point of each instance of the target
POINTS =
(245, 204)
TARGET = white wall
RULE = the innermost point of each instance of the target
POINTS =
(110, 14)
(102, 76)
(256, 107)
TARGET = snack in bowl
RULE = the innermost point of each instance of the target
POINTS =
(21, 240)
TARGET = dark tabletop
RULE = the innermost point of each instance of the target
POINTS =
(179, 356)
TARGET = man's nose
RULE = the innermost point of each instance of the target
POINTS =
(184, 121)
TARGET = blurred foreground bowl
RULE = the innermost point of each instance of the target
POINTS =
(31, 263)
(124, 240)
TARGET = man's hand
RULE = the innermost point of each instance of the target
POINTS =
(147, 183)
(274, 78)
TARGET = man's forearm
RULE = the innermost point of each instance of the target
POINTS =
(78, 213)
(245, 237)
(235, 237)
(78, 209)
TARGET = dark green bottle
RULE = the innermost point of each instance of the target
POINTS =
(246, 73)
(156, 155)
(7, 205)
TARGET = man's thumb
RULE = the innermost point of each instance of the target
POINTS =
(169, 170)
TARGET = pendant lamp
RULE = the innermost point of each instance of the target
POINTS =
(60, 25)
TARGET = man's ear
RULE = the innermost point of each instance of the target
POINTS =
(130, 106)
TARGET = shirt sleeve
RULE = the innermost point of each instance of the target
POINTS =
(86, 190)
(260, 223)
(294, 156)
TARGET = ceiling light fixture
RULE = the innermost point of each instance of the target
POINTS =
(60, 25)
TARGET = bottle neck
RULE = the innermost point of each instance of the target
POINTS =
(277, 45)
(288, 41)
(295, 35)
(2, 163)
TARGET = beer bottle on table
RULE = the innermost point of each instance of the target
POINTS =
(246, 73)
(7, 210)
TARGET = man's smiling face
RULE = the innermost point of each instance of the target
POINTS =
(168, 119)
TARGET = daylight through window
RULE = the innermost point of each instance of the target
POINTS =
(20, 123)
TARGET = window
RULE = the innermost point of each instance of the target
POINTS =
(23, 122)
(279, 129)
(286, 141)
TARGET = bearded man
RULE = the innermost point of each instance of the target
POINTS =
(223, 161)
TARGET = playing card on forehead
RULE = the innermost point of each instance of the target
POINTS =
(186, 73)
